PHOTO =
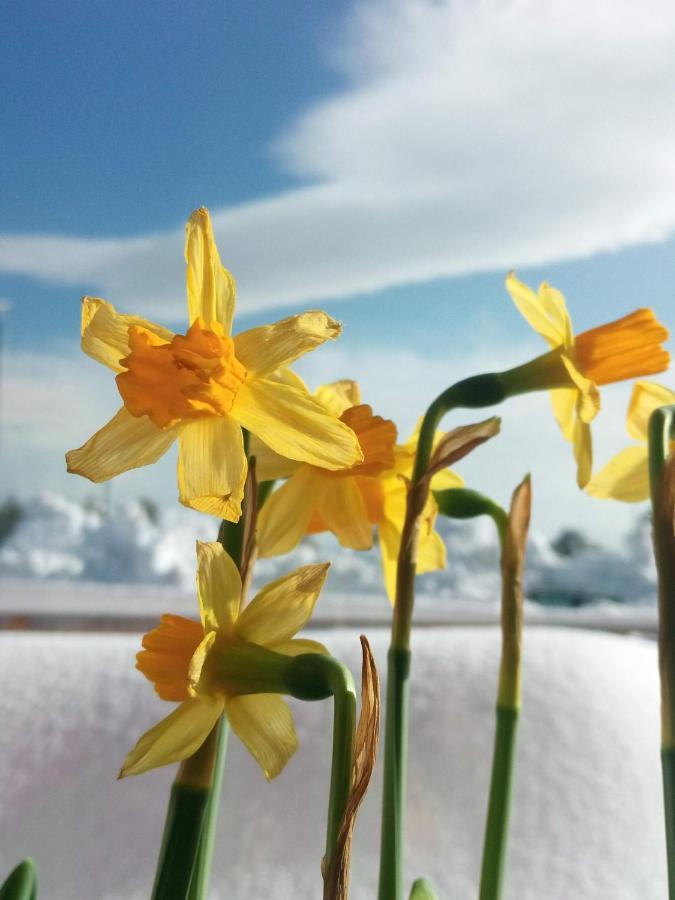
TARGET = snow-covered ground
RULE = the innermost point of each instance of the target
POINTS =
(56, 539)
(587, 816)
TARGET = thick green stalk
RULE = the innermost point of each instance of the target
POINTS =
(661, 433)
(21, 883)
(497, 824)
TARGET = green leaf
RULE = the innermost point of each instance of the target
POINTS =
(21, 883)
(422, 890)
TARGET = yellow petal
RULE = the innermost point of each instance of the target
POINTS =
(105, 332)
(343, 511)
(270, 465)
(564, 402)
(431, 553)
(625, 477)
(218, 587)
(583, 452)
(281, 608)
(295, 425)
(284, 519)
(176, 737)
(338, 396)
(265, 349)
(390, 541)
(588, 396)
(263, 722)
(646, 397)
(212, 466)
(445, 480)
(297, 646)
(537, 313)
(210, 287)
(126, 442)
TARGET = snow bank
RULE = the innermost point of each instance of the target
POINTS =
(587, 820)
(58, 539)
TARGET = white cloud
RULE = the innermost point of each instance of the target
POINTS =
(470, 136)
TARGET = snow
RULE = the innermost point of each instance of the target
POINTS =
(57, 539)
(587, 816)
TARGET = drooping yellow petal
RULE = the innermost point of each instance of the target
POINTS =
(295, 425)
(564, 402)
(165, 659)
(390, 541)
(282, 607)
(267, 348)
(176, 737)
(343, 510)
(105, 332)
(297, 646)
(126, 442)
(553, 328)
(263, 722)
(446, 480)
(625, 477)
(218, 587)
(646, 397)
(583, 452)
(212, 466)
(588, 396)
(339, 396)
(284, 519)
(210, 287)
(431, 553)
(270, 465)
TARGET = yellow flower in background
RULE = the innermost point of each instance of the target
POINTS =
(203, 387)
(627, 348)
(350, 502)
(207, 667)
(626, 476)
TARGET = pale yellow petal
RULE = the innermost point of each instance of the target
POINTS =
(534, 311)
(218, 587)
(431, 553)
(176, 737)
(210, 287)
(343, 510)
(445, 480)
(283, 607)
(564, 402)
(583, 452)
(390, 541)
(212, 466)
(339, 396)
(264, 723)
(269, 466)
(646, 397)
(105, 332)
(553, 304)
(297, 646)
(267, 348)
(588, 395)
(295, 425)
(285, 517)
(126, 442)
(625, 477)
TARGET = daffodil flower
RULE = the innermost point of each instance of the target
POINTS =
(626, 476)
(203, 387)
(234, 661)
(350, 502)
(629, 347)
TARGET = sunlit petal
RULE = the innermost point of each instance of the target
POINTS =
(264, 723)
(530, 306)
(105, 332)
(270, 465)
(218, 587)
(625, 477)
(297, 646)
(282, 607)
(646, 397)
(284, 519)
(176, 737)
(339, 396)
(267, 348)
(343, 510)
(210, 287)
(583, 452)
(126, 442)
(212, 467)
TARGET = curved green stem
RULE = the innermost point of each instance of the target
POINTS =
(342, 764)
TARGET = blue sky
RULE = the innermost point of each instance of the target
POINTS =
(388, 160)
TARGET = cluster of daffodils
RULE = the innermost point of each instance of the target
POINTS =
(274, 462)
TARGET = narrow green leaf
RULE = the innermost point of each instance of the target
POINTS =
(422, 890)
(21, 883)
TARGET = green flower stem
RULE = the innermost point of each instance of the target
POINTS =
(342, 764)
(471, 393)
(21, 883)
(661, 433)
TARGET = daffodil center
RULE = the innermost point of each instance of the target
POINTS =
(377, 438)
(193, 376)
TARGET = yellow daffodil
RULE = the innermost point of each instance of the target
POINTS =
(203, 387)
(627, 348)
(626, 476)
(350, 502)
(233, 661)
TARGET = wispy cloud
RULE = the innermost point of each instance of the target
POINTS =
(470, 136)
